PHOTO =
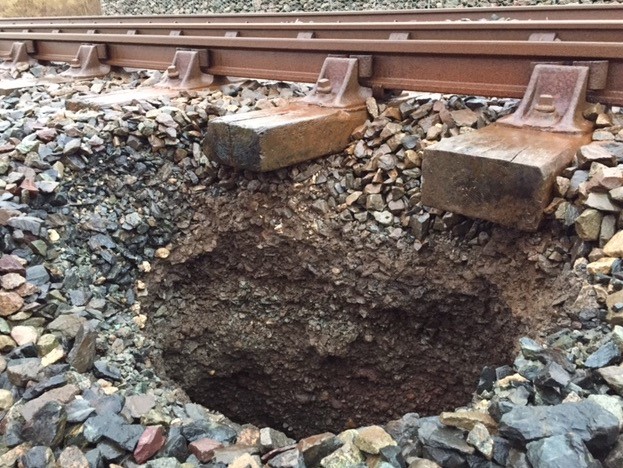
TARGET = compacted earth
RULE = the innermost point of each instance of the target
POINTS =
(160, 310)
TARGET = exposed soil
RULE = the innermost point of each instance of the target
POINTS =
(266, 318)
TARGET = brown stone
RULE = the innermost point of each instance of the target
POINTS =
(82, 355)
(61, 395)
(271, 139)
(9, 459)
(226, 455)
(10, 303)
(12, 281)
(11, 264)
(601, 266)
(615, 316)
(613, 375)
(614, 247)
(588, 224)
(6, 343)
(246, 461)
(371, 439)
(149, 443)
(27, 289)
(466, 420)
(605, 179)
(464, 117)
(67, 325)
(72, 457)
(249, 435)
(203, 449)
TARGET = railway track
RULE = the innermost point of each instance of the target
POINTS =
(546, 55)
(474, 57)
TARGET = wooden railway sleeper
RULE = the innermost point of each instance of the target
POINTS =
(506, 172)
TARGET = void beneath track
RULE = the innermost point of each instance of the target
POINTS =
(308, 333)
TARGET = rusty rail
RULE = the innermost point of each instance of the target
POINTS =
(544, 12)
(484, 58)
(567, 30)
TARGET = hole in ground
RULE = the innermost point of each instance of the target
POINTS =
(309, 336)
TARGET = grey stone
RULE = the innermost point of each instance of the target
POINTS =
(601, 202)
(82, 355)
(164, 463)
(287, 459)
(271, 439)
(175, 446)
(420, 224)
(47, 426)
(37, 275)
(561, 451)
(203, 429)
(615, 457)
(597, 427)
(530, 348)
(608, 353)
(553, 375)
(103, 369)
(67, 325)
(591, 153)
(139, 405)
(38, 457)
(21, 371)
(78, 410)
(27, 223)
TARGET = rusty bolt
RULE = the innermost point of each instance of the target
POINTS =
(324, 86)
(172, 72)
(545, 103)
(75, 63)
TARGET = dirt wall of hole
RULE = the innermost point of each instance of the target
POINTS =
(309, 331)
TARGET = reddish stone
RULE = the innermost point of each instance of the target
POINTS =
(10, 303)
(203, 449)
(29, 185)
(46, 134)
(11, 264)
(150, 442)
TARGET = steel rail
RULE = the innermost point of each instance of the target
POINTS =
(568, 30)
(544, 12)
(481, 67)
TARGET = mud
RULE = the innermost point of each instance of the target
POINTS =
(277, 315)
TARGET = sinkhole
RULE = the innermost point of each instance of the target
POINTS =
(310, 335)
